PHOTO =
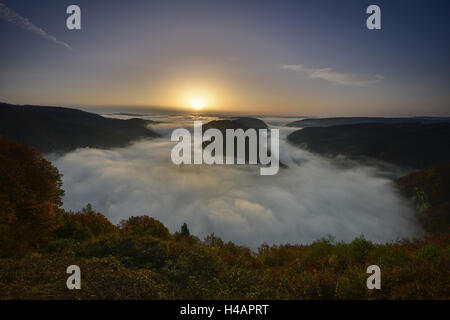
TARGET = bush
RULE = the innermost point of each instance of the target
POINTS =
(192, 272)
(428, 252)
(131, 250)
(360, 248)
(83, 225)
(145, 225)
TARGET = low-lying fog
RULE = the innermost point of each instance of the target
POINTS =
(311, 199)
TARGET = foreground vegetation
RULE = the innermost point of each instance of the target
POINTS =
(141, 259)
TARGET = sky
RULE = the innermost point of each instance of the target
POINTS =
(302, 58)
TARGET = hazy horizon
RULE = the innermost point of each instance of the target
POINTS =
(151, 110)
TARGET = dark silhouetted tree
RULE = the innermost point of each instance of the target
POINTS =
(185, 230)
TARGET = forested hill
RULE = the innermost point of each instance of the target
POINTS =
(413, 145)
(327, 122)
(57, 129)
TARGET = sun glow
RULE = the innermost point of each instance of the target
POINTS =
(197, 103)
(201, 97)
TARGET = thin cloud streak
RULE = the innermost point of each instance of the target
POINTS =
(13, 17)
(328, 74)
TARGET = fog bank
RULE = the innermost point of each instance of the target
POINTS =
(311, 199)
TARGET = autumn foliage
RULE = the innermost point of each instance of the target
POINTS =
(141, 259)
(430, 191)
(145, 225)
(30, 193)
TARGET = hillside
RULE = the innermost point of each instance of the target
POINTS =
(411, 145)
(430, 191)
(243, 123)
(327, 122)
(141, 259)
(238, 123)
(57, 129)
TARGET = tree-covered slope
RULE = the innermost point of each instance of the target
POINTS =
(413, 145)
(430, 191)
(56, 129)
(327, 122)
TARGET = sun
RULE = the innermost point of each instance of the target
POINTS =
(198, 103)
(197, 99)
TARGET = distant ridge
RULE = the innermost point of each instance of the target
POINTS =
(413, 145)
(243, 123)
(125, 114)
(58, 129)
(327, 122)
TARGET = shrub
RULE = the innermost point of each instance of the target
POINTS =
(360, 248)
(131, 250)
(83, 225)
(428, 252)
(145, 225)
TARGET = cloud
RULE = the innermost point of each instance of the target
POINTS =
(292, 67)
(311, 199)
(342, 78)
(13, 17)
